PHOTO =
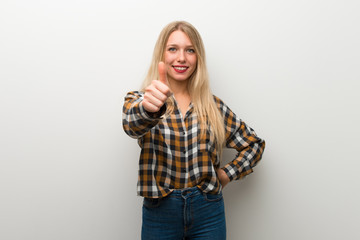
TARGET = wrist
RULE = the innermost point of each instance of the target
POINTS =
(223, 177)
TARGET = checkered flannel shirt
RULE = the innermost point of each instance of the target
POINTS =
(174, 157)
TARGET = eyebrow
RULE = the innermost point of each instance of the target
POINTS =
(175, 45)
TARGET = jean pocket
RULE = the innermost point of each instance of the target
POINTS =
(151, 202)
(213, 197)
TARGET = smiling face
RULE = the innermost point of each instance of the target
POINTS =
(180, 57)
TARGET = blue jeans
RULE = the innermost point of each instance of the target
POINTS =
(184, 214)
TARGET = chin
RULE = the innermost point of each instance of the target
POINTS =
(181, 79)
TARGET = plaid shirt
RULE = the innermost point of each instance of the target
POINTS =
(174, 157)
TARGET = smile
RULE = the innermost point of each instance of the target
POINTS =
(180, 69)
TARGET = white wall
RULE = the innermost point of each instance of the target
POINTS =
(290, 69)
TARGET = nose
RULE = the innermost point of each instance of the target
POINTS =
(181, 56)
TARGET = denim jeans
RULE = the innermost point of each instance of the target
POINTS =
(184, 214)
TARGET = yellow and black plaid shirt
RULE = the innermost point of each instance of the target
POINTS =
(174, 157)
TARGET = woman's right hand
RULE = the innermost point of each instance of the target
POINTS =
(157, 92)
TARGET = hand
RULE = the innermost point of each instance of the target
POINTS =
(223, 178)
(157, 92)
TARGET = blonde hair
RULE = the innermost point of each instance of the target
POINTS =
(198, 86)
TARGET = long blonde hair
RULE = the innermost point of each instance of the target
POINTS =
(198, 87)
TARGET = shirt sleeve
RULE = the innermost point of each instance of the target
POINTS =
(136, 120)
(244, 140)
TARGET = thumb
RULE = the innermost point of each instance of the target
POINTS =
(162, 73)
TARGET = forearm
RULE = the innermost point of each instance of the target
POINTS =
(136, 120)
(245, 161)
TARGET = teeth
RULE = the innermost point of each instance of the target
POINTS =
(180, 68)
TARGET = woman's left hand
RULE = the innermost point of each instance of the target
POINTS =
(224, 179)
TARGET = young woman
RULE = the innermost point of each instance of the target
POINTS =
(181, 128)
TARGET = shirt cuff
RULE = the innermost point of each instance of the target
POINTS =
(230, 172)
(233, 172)
(152, 115)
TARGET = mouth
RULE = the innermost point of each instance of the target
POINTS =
(180, 68)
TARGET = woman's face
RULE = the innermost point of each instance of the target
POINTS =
(180, 57)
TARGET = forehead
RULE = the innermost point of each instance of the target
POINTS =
(179, 38)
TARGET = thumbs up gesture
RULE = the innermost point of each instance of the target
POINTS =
(157, 92)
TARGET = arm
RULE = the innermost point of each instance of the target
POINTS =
(142, 111)
(136, 120)
(244, 140)
(250, 149)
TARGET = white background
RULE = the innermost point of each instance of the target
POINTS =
(290, 69)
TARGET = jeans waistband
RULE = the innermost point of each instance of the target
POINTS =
(186, 192)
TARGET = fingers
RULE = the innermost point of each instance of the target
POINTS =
(155, 96)
(149, 106)
(162, 73)
(158, 91)
(163, 79)
(162, 88)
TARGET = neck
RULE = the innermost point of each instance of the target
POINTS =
(179, 87)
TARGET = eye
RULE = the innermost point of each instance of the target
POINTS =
(190, 50)
(172, 49)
